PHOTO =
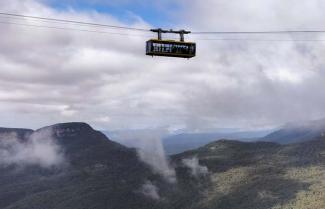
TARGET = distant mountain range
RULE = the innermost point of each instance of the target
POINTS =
(95, 172)
(180, 142)
(297, 132)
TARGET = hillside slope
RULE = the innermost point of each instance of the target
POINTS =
(97, 173)
(178, 143)
(262, 175)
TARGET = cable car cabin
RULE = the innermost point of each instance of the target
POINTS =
(170, 48)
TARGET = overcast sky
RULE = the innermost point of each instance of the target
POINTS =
(49, 76)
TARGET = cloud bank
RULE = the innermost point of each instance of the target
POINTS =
(107, 81)
(38, 150)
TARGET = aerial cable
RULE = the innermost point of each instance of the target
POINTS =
(148, 30)
(258, 40)
(142, 35)
(72, 29)
(9, 18)
(258, 32)
(154, 47)
(195, 33)
(73, 21)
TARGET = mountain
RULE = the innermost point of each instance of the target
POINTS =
(180, 142)
(19, 132)
(96, 173)
(262, 175)
(297, 132)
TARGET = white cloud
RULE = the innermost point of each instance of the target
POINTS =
(193, 164)
(56, 76)
(150, 149)
(150, 190)
(39, 149)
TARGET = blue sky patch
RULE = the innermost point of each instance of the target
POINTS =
(158, 15)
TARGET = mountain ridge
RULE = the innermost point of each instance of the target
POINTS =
(99, 174)
(225, 174)
(297, 132)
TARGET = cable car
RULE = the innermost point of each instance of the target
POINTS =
(170, 48)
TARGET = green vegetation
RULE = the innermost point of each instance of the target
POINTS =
(263, 175)
(101, 174)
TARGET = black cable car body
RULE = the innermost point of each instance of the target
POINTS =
(170, 48)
